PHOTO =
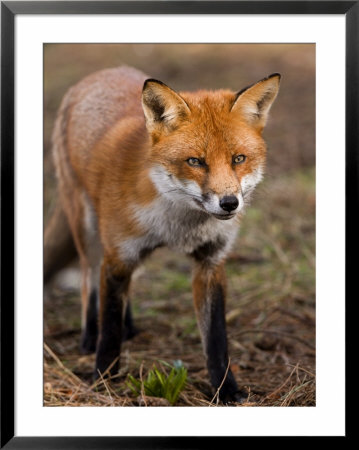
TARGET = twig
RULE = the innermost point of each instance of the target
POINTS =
(304, 370)
(220, 386)
(272, 394)
(305, 319)
(295, 389)
(105, 384)
(60, 364)
(107, 371)
(62, 333)
(279, 333)
(73, 395)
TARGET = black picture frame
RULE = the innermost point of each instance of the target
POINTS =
(9, 10)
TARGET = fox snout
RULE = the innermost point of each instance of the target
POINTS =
(229, 203)
(223, 207)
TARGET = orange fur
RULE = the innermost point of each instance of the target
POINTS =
(134, 177)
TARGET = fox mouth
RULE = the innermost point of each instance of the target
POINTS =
(224, 216)
(220, 216)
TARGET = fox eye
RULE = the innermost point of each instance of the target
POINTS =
(239, 159)
(194, 162)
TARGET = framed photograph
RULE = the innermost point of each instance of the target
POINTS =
(135, 312)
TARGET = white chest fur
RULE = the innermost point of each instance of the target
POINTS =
(178, 227)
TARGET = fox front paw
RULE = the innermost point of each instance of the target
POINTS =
(238, 396)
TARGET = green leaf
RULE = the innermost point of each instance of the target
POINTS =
(159, 384)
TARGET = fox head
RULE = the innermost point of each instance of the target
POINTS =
(207, 148)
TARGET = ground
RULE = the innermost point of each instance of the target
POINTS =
(270, 309)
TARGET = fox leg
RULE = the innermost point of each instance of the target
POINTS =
(129, 330)
(74, 208)
(209, 299)
(90, 267)
(89, 316)
(90, 306)
(115, 281)
(89, 300)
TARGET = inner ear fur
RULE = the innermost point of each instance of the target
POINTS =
(255, 101)
(162, 106)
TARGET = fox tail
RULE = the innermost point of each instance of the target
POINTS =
(59, 246)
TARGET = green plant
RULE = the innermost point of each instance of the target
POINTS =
(159, 384)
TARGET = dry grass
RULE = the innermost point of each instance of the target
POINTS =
(271, 271)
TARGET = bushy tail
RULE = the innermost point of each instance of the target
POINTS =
(59, 247)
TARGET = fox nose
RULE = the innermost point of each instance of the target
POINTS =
(229, 202)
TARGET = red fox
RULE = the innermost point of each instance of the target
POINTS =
(140, 166)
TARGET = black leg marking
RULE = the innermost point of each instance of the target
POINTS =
(89, 336)
(109, 345)
(129, 330)
(217, 353)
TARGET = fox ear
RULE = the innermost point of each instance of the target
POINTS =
(163, 107)
(254, 102)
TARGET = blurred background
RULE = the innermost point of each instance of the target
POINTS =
(271, 271)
